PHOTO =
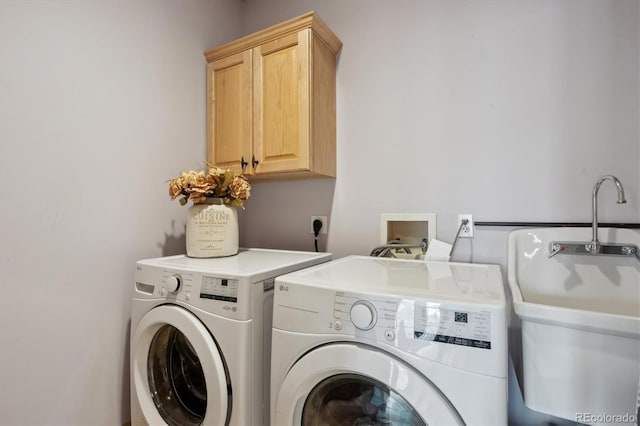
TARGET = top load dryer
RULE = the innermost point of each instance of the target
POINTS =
(371, 341)
(201, 336)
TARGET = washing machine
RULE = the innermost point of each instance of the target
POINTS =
(201, 337)
(377, 341)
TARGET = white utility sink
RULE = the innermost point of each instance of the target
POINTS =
(580, 324)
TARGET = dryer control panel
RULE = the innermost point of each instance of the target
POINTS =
(228, 296)
(238, 287)
(224, 289)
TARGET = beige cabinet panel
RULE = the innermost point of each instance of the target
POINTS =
(271, 101)
(281, 106)
(229, 118)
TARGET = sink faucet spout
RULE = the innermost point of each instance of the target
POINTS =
(594, 246)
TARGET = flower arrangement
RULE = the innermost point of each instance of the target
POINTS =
(198, 185)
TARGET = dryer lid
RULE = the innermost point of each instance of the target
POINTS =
(259, 264)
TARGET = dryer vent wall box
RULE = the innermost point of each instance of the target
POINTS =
(407, 228)
(202, 327)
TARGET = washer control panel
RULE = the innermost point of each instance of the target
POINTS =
(389, 319)
(363, 315)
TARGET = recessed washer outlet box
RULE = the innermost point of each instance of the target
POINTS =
(407, 228)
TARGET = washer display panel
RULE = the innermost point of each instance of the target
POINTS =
(349, 399)
(176, 378)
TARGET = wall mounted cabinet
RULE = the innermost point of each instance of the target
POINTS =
(271, 101)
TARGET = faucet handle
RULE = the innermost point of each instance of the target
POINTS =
(555, 249)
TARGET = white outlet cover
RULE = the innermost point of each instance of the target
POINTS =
(467, 231)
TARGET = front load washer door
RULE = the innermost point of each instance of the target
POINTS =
(345, 383)
(178, 371)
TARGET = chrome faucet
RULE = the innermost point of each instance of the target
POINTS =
(593, 247)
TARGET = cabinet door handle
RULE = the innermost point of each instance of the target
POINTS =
(243, 164)
(254, 162)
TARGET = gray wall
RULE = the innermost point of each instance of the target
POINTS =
(100, 103)
(507, 110)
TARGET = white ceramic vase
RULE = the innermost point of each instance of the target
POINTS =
(212, 229)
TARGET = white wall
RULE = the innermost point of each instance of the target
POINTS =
(509, 110)
(100, 103)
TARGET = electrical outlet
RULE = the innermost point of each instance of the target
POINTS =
(322, 219)
(467, 230)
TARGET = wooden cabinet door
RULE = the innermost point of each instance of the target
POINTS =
(281, 104)
(229, 112)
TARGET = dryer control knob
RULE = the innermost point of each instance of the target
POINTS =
(363, 315)
(173, 283)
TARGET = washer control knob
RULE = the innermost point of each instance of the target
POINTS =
(173, 283)
(363, 315)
